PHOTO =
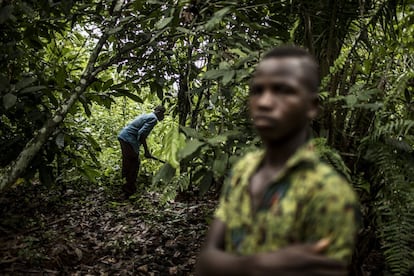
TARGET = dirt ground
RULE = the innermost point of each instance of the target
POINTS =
(92, 230)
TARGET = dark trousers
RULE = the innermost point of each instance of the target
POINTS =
(130, 166)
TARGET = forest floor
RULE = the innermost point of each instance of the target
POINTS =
(92, 230)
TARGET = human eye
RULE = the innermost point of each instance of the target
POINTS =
(283, 89)
(256, 89)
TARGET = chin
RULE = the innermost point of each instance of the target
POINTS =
(270, 134)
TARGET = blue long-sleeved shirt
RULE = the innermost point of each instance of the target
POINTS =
(139, 128)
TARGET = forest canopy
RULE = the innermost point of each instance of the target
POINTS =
(73, 73)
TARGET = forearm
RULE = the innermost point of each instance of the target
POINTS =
(295, 260)
(291, 260)
(143, 142)
(217, 262)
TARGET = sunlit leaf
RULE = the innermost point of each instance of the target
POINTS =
(60, 140)
(163, 22)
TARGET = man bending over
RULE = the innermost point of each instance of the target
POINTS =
(130, 138)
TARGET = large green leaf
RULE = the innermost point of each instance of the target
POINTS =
(206, 182)
(165, 174)
(191, 147)
(32, 89)
(220, 165)
(24, 83)
(124, 92)
(217, 139)
(228, 76)
(9, 100)
(190, 132)
(214, 74)
(216, 18)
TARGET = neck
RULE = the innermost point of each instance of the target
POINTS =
(278, 152)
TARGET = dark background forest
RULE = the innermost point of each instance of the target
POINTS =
(73, 73)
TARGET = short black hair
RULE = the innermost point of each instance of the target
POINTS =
(286, 51)
(159, 109)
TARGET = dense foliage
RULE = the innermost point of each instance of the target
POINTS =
(74, 72)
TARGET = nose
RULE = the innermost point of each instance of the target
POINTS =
(265, 100)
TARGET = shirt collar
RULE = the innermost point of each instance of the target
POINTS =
(304, 154)
(153, 113)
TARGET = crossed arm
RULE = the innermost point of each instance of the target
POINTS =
(294, 260)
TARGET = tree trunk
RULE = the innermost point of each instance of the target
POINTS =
(12, 172)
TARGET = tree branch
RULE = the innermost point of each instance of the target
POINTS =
(12, 172)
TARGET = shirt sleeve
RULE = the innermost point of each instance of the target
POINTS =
(222, 209)
(333, 214)
(146, 128)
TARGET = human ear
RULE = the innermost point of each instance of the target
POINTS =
(313, 109)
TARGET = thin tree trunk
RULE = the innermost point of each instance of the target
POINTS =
(18, 166)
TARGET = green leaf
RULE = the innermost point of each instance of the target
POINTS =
(214, 74)
(60, 140)
(184, 30)
(90, 172)
(223, 137)
(124, 92)
(216, 18)
(191, 147)
(165, 174)
(107, 84)
(5, 13)
(220, 165)
(9, 100)
(61, 76)
(32, 89)
(351, 100)
(238, 52)
(190, 132)
(24, 83)
(206, 182)
(115, 30)
(93, 142)
(217, 139)
(86, 107)
(228, 76)
(163, 22)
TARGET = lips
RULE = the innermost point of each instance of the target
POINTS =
(264, 121)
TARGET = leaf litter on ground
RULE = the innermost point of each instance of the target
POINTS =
(91, 230)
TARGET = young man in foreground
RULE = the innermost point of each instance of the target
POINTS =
(130, 138)
(284, 212)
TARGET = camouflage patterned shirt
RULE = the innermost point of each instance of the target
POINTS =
(307, 201)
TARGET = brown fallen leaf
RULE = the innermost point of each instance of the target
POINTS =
(173, 270)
